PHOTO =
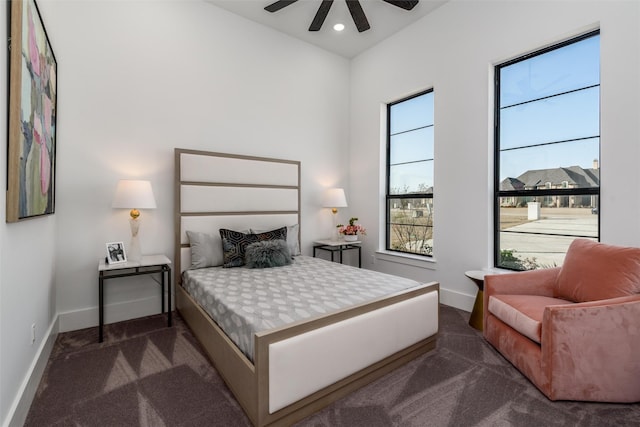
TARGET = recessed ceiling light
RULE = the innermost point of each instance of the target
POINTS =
(338, 27)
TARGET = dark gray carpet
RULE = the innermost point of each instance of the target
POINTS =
(146, 374)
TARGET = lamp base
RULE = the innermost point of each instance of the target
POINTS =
(134, 248)
(335, 236)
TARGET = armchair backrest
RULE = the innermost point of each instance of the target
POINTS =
(594, 271)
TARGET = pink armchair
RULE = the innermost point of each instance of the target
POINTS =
(574, 330)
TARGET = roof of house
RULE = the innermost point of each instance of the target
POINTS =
(575, 176)
(509, 184)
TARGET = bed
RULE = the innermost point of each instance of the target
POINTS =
(294, 368)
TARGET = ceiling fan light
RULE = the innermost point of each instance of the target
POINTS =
(354, 6)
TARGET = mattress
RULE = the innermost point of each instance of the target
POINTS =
(244, 301)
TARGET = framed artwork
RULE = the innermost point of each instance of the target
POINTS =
(31, 156)
(116, 253)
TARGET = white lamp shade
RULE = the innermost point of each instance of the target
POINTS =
(134, 194)
(334, 198)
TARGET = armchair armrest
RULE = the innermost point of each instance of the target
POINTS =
(591, 349)
(534, 282)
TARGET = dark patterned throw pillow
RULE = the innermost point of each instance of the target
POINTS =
(234, 244)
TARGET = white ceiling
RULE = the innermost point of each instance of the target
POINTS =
(384, 18)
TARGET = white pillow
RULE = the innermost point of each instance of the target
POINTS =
(293, 240)
(206, 249)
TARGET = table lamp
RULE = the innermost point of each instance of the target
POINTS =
(134, 195)
(334, 198)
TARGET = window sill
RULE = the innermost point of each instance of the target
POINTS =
(406, 259)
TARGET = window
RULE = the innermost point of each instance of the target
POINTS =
(409, 195)
(547, 138)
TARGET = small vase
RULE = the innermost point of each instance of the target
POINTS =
(350, 237)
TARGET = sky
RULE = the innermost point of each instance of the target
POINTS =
(537, 129)
(412, 140)
(531, 114)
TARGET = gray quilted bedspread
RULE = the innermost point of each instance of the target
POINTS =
(244, 301)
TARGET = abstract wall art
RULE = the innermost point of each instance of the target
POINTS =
(32, 116)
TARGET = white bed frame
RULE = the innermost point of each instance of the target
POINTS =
(301, 367)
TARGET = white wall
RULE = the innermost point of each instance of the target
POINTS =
(135, 80)
(138, 79)
(454, 50)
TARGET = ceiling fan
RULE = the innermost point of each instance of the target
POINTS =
(358, 15)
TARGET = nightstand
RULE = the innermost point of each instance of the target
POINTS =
(338, 246)
(148, 264)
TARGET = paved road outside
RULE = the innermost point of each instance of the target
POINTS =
(548, 250)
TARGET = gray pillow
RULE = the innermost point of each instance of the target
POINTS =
(267, 253)
(206, 250)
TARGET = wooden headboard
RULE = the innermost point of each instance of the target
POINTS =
(219, 190)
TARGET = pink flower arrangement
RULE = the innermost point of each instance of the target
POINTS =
(352, 229)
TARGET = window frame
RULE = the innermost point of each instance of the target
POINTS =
(551, 192)
(388, 196)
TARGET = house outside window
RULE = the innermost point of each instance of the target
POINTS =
(547, 139)
(409, 193)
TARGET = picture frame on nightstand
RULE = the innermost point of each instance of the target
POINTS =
(116, 253)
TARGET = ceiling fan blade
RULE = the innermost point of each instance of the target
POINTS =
(321, 15)
(274, 7)
(359, 18)
(404, 4)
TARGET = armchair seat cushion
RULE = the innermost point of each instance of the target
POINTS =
(523, 312)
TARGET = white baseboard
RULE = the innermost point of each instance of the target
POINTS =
(89, 317)
(456, 299)
(19, 410)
